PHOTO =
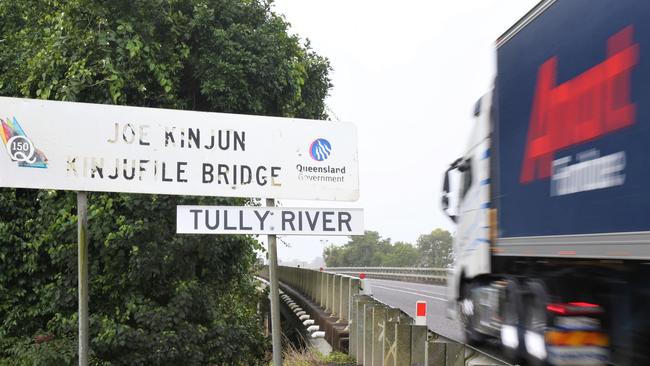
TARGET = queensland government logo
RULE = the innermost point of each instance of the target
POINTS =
(19, 147)
(320, 149)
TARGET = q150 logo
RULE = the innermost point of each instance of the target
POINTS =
(19, 147)
(320, 149)
(592, 104)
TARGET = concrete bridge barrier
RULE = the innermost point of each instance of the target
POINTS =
(374, 333)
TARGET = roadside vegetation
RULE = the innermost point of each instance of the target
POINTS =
(371, 250)
(311, 357)
(156, 298)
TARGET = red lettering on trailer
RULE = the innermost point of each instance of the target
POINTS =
(593, 104)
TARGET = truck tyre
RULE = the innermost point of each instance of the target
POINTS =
(535, 323)
(469, 316)
(512, 343)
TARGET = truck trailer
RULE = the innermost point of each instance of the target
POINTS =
(551, 199)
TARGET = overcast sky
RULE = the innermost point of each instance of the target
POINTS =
(407, 73)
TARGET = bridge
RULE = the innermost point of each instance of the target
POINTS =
(374, 319)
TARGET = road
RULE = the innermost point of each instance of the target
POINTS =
(403, 295)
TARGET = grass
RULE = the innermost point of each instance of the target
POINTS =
(312, 357)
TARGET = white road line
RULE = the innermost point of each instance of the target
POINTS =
(409, 292)
(399, 283)
(410, 288)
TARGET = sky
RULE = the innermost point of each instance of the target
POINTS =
(407, 74)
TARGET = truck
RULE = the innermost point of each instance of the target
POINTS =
(551, 199)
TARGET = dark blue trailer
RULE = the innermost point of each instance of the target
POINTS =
(572, 132)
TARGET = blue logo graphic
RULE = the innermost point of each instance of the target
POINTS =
(320, 149)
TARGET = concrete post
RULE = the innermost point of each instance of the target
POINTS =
(321, 300)
(403, 344)
(319, 286)
(312, 285)
(355, 320)
(328, 293)
(419, 334)
(302, 279)
(367, 333)
(436, 353)
(389, 346)
(455, 354)
(336, 285)
(361, 306)
(378, 322)
(358, 326)
(354, 290)
(345, 299)
(305, 276)
(352, 346)
(298, 279)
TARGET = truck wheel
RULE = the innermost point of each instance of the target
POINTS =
(535, 322)
(469, 315)
(512, 343)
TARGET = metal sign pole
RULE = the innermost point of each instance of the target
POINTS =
(82, 240)
(274, 295)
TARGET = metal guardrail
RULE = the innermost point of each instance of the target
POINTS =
(371, 331)
(408, 274)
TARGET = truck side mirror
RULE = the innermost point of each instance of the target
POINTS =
(445, 194)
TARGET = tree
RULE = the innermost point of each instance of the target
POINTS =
(435, 249)
(401, 255)
(155, 297)
(333, 256)
(370, 250)
(365, 250)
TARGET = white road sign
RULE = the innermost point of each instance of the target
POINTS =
(268, 220)
(95, 147)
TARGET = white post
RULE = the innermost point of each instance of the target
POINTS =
(421, 313)
(82, 270)
(274, 295)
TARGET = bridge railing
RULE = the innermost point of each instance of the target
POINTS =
(367, 329)
(408, 274)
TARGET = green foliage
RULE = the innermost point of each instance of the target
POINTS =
(23, 351)
(365, 250)
(155, 297)
(371, 250)
(312, 357)
(400, 255)
(436, 249)
(213, 55)
(338, 358)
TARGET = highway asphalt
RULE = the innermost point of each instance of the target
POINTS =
(403, 295)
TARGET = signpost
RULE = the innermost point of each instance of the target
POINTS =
(82, 275)
(106, 148)
(274, 295)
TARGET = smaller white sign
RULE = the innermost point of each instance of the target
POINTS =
(268, 220)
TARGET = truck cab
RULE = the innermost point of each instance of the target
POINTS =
(466, 200)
